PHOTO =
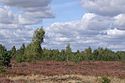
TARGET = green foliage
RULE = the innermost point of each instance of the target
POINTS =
(20, 54)
(68, 52)
(13, 51)
(88, 51)
(2, 69)
(22, 49)
(33, 51)
(105, 80)
(5, 57)
(120, 55)
(100, 54)
(20, 58)
(2, 49)
(34, 48)
(38, 36)
(104, 54)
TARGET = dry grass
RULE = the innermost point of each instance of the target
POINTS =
(62, 79)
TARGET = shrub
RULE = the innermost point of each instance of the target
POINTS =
(105, 80)
(2, 69)
(20, 58)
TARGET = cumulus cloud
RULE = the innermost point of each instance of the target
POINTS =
(17, 18)
(104, 7)
(31, 11)
(6, 16)
(91, 30)
(120, 20)
(115, 32)
(103, 24)
(15, 35)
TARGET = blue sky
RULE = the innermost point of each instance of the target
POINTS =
(65, 10)
(82, 23)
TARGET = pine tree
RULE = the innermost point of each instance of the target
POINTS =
(13, 51)
(68, 52)
(33, 50)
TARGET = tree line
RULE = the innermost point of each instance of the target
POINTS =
(34, 51)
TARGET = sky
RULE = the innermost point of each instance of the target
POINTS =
(65, 10)
(82, 23)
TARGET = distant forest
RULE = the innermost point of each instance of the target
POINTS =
(34, 51)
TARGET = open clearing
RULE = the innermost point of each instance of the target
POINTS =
(63, 72)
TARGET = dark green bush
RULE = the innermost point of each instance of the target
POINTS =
(2, 69)
(105, 80)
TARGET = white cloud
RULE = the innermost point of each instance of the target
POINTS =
(104, 7)
(116, 33)
(31, 12)
(100, 22)
(102, 25)
(6, 16)
(120, 20)
(91, 30)
(15, 36)
(17, 18)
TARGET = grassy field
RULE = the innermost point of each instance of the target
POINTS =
(62, 79)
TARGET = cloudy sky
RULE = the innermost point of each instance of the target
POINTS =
(82, 23)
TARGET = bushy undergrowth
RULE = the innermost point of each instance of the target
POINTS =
(105, 80)
(56, 55)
